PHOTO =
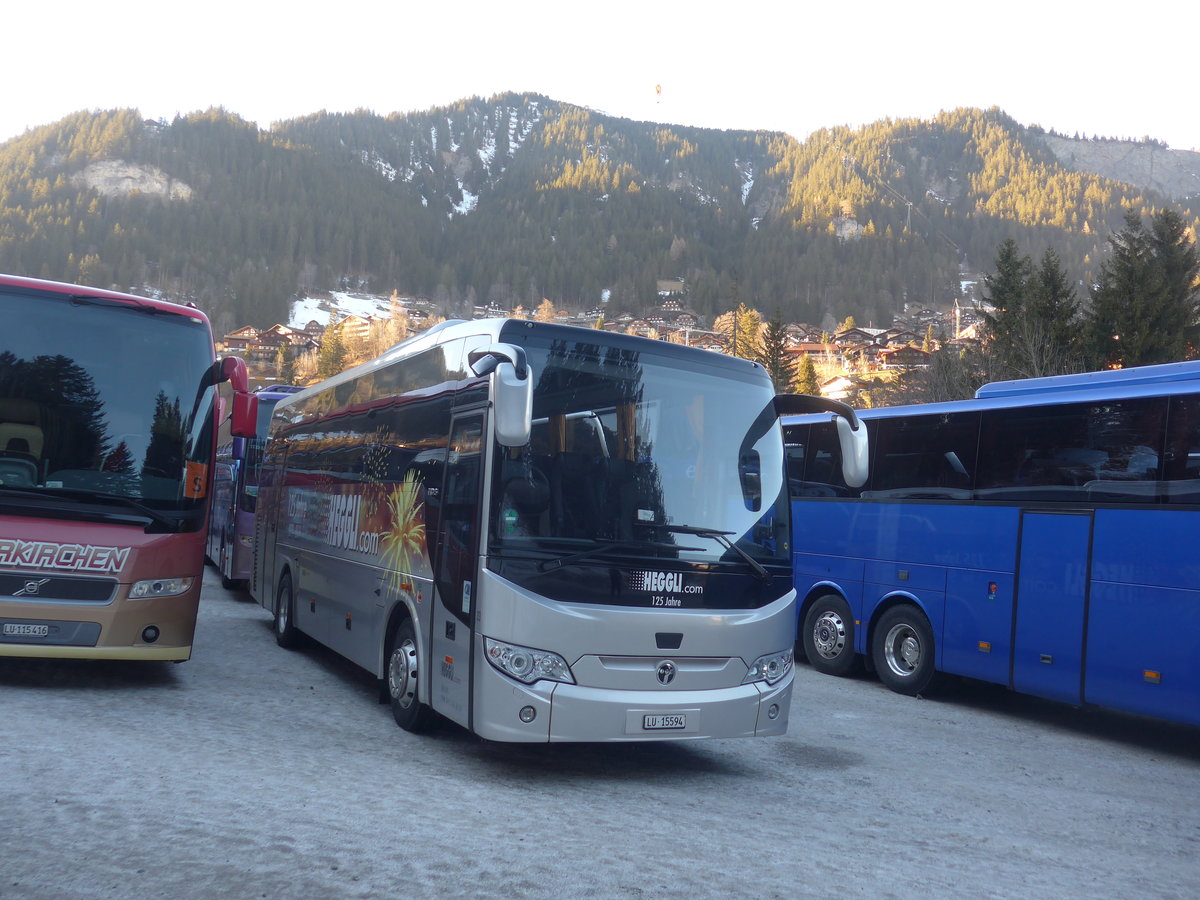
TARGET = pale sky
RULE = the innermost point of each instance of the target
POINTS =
(788, 65)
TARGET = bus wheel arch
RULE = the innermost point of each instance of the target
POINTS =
(827, 634)
(903, 649)
(401, 678)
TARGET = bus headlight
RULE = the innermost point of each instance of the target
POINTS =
(159, 587)
(527, 665)
(770, 668)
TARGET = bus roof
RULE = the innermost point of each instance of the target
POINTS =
(1107, 378)
(500, 329)
(1094, 387)
(27, 285)
(39, 285)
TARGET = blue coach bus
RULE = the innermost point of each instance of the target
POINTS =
(1041, 536)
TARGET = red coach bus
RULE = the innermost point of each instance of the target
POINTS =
(108, 416)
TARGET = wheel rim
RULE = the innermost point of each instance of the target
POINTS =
(829, 634)
(281, 610)
(902, 650)
(402, 673)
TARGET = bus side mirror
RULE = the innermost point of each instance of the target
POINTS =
(512, 391)
(233, 370)
(855, 452)
(852, 434)
(245, 404)
(244, 421)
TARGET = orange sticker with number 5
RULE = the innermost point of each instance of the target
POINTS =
(195, 480)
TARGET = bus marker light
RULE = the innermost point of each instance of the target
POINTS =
(1152, 677)
(985, 647)
(527, 714)
(348, 621)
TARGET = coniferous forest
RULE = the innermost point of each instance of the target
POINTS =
(517, 198)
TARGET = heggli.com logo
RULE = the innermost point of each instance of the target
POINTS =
(662, 583)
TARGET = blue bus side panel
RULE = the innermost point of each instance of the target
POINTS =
(1051, 595)
(1145, 613)
(1135, 631)
(1143, 546)
(977, 640)
(969, 549)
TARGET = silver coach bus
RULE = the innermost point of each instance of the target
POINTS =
(543, 533)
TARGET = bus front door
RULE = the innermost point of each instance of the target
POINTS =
(1053, 562)
(455, 569)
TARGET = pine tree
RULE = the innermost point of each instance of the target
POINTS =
(1031, 329)
(285, 361)
(1005, 291)
(331, 358)
(774, 354)
(806, 377)
(1146, 306)
(741, 327)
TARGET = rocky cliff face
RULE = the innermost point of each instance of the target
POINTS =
(118, 178)
(1175, 173)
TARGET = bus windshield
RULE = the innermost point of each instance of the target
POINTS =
(633, 456)
(122, 421)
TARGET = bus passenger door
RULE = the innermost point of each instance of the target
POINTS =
(1053, 562)
(455, 569)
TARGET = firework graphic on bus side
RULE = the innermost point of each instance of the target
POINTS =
(405, 537)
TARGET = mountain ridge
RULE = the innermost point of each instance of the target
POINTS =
(517, 197)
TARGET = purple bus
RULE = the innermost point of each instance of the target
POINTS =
(230, 544)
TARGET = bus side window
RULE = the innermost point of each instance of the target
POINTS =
(823, 464)
(795, 438)
(925, 457)
(1181, 469)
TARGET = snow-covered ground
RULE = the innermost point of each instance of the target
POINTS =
(252, 771)
(343, 303)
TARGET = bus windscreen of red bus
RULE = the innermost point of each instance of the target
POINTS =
(105, 410)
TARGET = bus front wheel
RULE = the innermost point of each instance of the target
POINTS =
(828, 636)
(286, 634)
(902, 651)
(403, 667)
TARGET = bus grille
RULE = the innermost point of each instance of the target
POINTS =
(32, 587)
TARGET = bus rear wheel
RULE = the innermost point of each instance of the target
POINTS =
(286, 634)
(828, 636)
(902, 651)
(403, 667)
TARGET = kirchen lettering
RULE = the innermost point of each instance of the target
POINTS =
(65, 557)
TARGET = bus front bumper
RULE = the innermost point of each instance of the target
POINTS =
(573, 713)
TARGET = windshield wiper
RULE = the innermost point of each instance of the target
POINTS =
(722, 538)
(551, 565)
(155, 517)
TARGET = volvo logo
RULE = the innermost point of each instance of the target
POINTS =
(31, 588)
(666, 672)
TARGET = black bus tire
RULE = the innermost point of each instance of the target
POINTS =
(286, 634)
(401, 678)
(828, 636)
(902, 650)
